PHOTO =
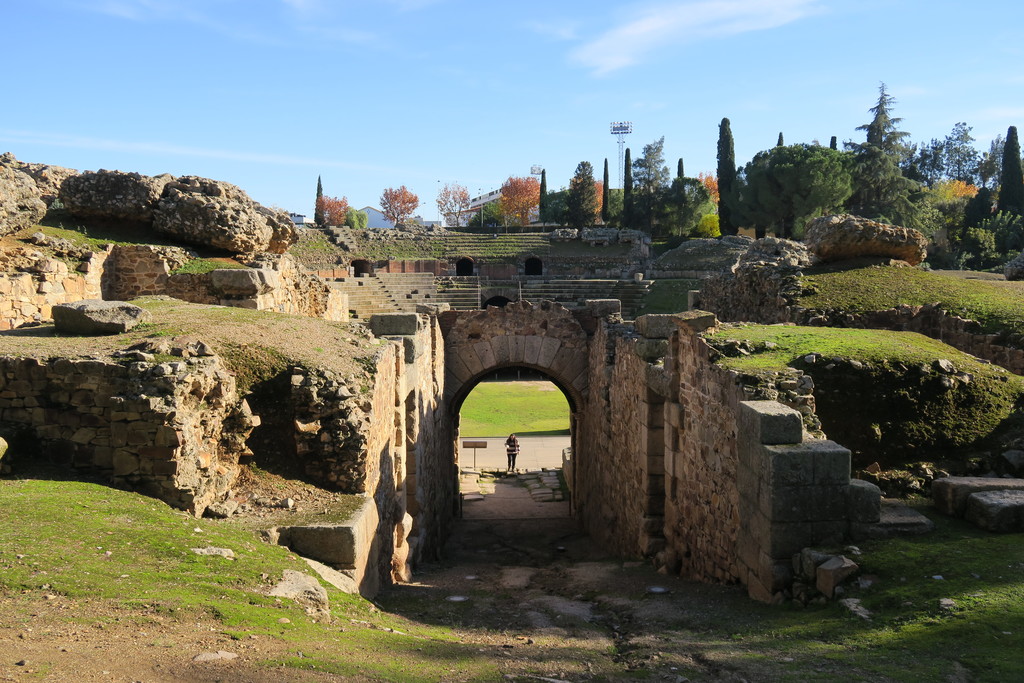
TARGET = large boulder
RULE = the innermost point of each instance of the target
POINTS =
(220, 215)
(776, 252)
(20, 205)
(705, 254)
(113, 194)
(1014, 270)
(94, 317)
(843, 237)
(48, 178)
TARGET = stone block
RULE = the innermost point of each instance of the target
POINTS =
(485, 352)
(657, 325)
(949, 495)
(829, 503)
(788, 538)
(828, 533)
(1001, 511)
(789, 466)
(600, 308)
(549, 348)
(774, 423)
(832, 572)
(534, 345)
(863, 502)
(697, 321)
(791, 504)
(831, 463)
(125, 462)
(394, 324)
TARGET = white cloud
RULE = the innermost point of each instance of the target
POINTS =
(657, 25)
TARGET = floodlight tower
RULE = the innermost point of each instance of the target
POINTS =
(621, 129)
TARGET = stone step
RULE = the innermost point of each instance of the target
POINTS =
(950, 494)
(896, 519)
(1001, 511)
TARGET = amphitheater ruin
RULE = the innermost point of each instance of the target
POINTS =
(673, 459)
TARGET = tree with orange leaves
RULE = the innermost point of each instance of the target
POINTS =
(332, 209)
(453, 203)
(711, 183)
(397, 205)
(519, 197)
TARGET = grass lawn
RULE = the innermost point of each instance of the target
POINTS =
(524, 408)
(997, 305)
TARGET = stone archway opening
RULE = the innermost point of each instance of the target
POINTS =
(499, 301)
(362, 268)
(464, 267)
(529, 403)
(533, 266)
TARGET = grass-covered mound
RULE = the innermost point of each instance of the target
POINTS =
(704, 254)
(884, 394)
(996, 305)
(527, 408)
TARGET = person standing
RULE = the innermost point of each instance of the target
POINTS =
(511, 450)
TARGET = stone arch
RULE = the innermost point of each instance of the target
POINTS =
(497, 300)
(533, 266)
(465, 267)
(361, 268)
(545, 337)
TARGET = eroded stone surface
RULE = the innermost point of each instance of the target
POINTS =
(842, 237)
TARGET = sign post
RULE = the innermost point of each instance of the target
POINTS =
(474, 445)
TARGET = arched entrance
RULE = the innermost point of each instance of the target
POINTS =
(499, 301)
(464, 267)
(362, 268)
(533, 266)
(546, 337)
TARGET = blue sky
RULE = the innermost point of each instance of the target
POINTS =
(369, 94)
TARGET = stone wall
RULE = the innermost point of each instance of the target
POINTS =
(32, 285)
(674, 462)
(172, 429)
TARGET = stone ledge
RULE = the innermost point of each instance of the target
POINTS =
(950, 494)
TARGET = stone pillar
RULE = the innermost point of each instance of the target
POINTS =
(794, 493)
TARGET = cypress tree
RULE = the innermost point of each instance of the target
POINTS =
(627, 192)
(542, 205)
(781, 142)
(1011, 180)
(679, 169)
(605, 193)
(726, 179)
(318, 213)
(833, 143)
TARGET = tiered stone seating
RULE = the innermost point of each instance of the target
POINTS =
(366, 296)
(409, 289)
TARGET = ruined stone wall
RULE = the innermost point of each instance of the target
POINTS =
(701, 456)
(31, 286)
(610, 489)
(172, 429)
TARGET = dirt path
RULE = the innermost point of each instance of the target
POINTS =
(523, 581)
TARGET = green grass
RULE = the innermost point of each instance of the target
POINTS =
(996, 305)
(894, 408)
(668, 296)
(133, 555)
(524, 408)
(201, 266)
(788, 344)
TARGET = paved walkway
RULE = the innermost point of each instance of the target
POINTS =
(535, 452)
(510, 497)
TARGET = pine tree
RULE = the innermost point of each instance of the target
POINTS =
(318, 212)
(605, 194)
(679, 169)
(781, 142)
(1011, 180)
(627, 192)
(833, 143)
(882, 132)
(726, 179)
(581, 202)
(542, 205)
